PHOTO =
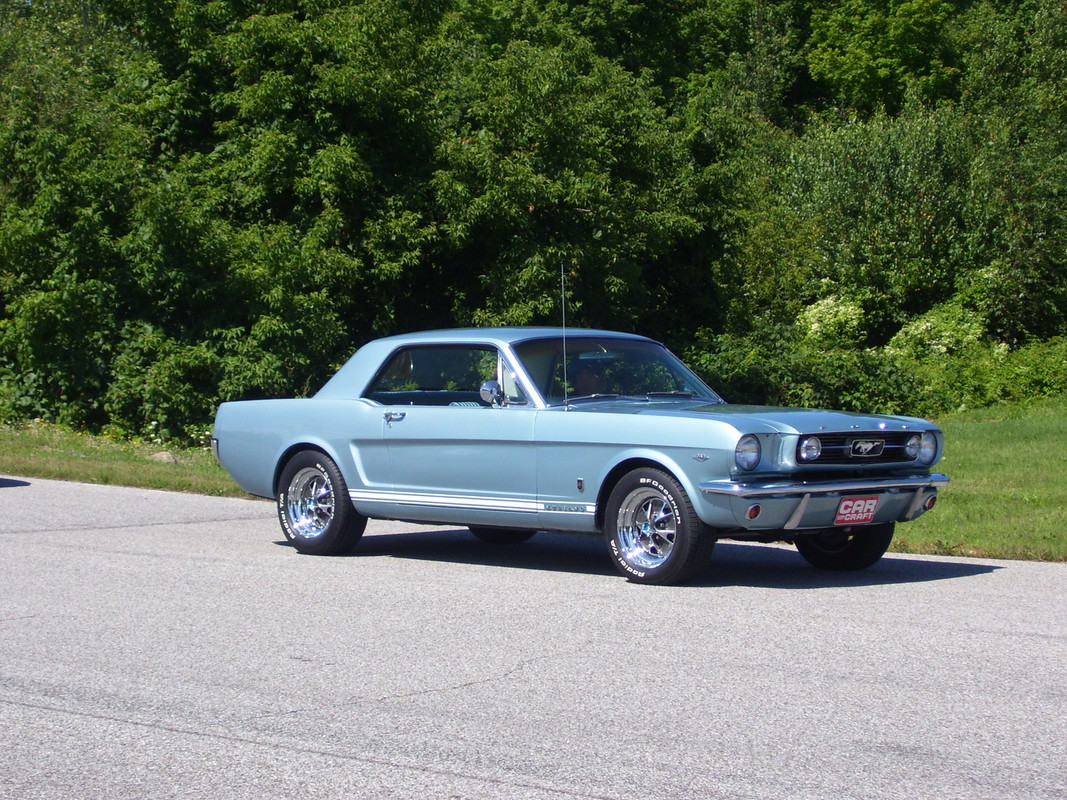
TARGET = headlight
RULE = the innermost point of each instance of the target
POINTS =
(913, 446)
(810, 448)
(928, 449)
(747, 452)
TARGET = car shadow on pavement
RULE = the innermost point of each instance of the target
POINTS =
(731, 564)
(779, 566)
(11, 483)
(550, 552)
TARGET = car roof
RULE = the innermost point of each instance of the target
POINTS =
(501, 335)
(352, 378)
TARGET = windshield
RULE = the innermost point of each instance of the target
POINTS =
(603, 366)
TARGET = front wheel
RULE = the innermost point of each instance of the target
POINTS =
(653, 531)
(314, 509)
(851, 548)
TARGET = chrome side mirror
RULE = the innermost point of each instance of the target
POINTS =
(492, 393)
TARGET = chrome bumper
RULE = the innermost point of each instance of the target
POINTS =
(919, 486)
(786, 488)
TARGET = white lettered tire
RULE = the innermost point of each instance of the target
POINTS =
(652, 531)
(315, 511)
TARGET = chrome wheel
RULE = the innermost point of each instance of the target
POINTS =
(652, 529)
(309, 503)
(314, 508)
(647, 528)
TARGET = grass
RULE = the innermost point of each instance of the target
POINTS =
(42, 450)
(1008, 495)
(1007, 498)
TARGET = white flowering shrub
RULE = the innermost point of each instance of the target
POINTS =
(832, 322)
(947, 329)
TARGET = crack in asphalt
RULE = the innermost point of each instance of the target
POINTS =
(128, 526)
(454, 687)
(290, 747)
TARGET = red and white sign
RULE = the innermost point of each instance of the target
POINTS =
(856, 510)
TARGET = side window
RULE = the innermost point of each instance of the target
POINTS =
(447, 375)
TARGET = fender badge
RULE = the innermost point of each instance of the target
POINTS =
(700, 457)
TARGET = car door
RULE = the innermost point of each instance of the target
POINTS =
(453, 457)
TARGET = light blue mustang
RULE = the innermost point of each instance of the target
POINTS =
(515, 430)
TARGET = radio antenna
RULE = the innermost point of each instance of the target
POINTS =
(563, 314)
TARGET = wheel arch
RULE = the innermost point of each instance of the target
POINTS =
(627, 465)
(287, 455)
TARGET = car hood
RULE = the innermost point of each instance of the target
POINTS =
(754, 419)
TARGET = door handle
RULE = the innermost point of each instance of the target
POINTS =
(394, 416)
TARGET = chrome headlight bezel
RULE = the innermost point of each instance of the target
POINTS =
(913, 446)
(809, 449)
(922, 448)
(927, 449)
(748, 452)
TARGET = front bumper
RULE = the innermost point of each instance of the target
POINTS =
(792, 505)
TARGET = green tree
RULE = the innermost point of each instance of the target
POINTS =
(871, 52)
(202, 201)
(76, 112)
(1015, 94)
(562, 164)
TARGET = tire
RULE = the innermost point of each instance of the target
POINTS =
(314, 508)
(851, 548)
(501, 535)
(652, 531)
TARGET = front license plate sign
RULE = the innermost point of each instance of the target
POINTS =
(856, 510)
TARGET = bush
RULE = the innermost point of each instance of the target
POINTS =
(948, 329)
(784, 367)
(54, 351)
(935, 365)
(161, 388)
(832, 322)
(1037, 370)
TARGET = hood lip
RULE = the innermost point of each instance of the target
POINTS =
(782, 420)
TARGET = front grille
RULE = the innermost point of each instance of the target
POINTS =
(847, 448)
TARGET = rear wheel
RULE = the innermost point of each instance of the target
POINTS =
(851, 548)
(501, 535)
(315, 511)
(652, 530)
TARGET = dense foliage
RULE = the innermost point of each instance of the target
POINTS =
(857, 203)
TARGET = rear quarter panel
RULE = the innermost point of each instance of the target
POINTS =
(255, 436)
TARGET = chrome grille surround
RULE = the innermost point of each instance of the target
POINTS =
(859, 447)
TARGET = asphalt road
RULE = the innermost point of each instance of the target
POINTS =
(157, 645)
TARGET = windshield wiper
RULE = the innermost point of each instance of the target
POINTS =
(685, 395)
(582, 397)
